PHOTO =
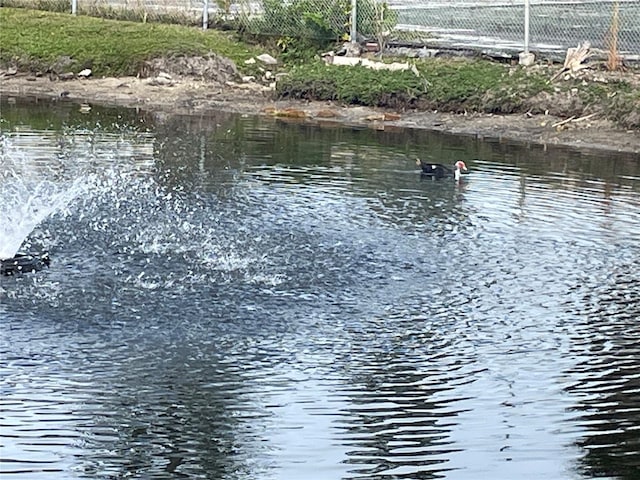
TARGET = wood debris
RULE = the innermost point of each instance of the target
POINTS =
(574, 59)
(331, 59)
(285, 112)
(561, 124)
(383, 117)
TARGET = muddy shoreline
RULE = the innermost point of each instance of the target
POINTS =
(186, 96)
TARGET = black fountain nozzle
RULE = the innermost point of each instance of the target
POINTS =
(24, 263)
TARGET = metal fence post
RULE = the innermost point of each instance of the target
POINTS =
(74, 7)
(205, 15)
(526, 26)
(354, 19)
(526, 58)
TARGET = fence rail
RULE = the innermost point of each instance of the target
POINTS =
(496, 25)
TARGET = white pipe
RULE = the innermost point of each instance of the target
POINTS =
(74, 7)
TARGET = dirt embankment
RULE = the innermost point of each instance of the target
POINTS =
(174, 92)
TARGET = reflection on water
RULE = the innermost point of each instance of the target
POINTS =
(240, 298)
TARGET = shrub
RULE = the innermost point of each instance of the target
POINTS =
(321, 19)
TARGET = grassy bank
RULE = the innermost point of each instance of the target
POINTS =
(443, 84)
(39, 41)
(464, 85)
(36, 40)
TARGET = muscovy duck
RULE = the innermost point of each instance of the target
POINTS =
(440, 171)
(24, 263)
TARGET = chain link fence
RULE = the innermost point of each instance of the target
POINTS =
(553, 25)
(484, 25)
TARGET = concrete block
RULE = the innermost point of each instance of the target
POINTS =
(527, 59)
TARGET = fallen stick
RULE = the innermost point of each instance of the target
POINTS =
(557, 75)
(563, 122)
(586, 117)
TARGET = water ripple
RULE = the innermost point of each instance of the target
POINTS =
(268, 308)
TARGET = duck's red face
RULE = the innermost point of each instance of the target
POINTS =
(460, 165)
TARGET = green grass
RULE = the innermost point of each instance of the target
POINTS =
(459, 80)
(109, 47)
(355, 85)
(447, 84)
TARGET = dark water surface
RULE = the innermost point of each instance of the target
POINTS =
(237, 298)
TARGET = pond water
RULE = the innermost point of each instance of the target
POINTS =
(232, 297)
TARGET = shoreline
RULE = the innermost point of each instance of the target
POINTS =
(186, 96)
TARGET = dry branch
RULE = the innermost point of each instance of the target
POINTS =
(573, 119)
(575, 57)
(573, 60)
(563, 122)
(586, 117)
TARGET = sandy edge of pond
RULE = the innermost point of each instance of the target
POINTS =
(194, 97)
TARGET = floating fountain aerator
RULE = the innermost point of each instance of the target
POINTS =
(24, 263)
(29, 194)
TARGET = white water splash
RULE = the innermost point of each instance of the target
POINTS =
(42, 172)
(33, 186)
(26, 202)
